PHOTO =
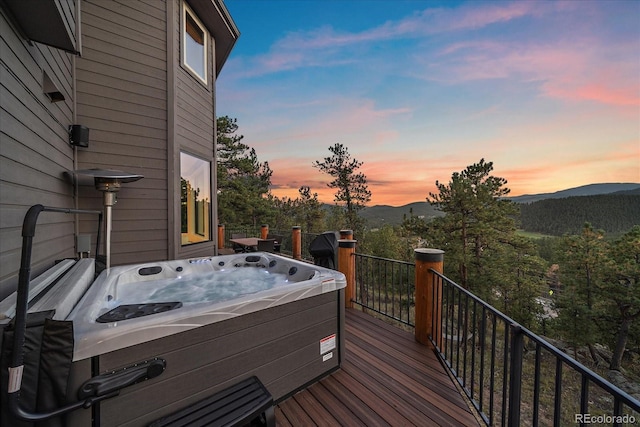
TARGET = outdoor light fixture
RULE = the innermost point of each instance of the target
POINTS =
(79, 136)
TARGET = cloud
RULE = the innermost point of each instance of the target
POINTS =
(548, 91)
(327, 47)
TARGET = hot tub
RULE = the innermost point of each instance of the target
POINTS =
(130, 305)
(213, 322)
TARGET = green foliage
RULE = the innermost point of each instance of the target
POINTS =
(581, 277)
(305, 211)
(384, 242)
(620, 296)
(476, 220)
(599, 291)
(614, 213)
(242, 181)
(351, 186)
(517, 280)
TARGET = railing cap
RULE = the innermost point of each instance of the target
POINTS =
(346, 243)
(429, 255)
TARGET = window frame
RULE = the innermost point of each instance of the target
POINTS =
(187, 11)
(200, 219)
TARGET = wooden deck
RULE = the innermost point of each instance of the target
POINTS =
(386, 379)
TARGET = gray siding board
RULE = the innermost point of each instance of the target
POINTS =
(129, 249)
(111, 141)
(132, 240)
(121, 86)
(105, 65)
(29, 67)
(146, 96)
(144, 9)
(34, 152)
(193, 95)
(111, 74)
(24, 100)
(51, 160)
(129, 18)
(24, 197)
(94, 120)
(146, 49)
(27, 179)
(195, 129)
(108, 47)
(149, 227)
(144, 124)
(155, 158)
(36, 132)
(51, 242)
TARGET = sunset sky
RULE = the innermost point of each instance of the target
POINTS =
(547, 91)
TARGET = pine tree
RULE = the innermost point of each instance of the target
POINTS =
(476, 217)
(351, 186)
(242, 181)
(582, 273)
(621, 294)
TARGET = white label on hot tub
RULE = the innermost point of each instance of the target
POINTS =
(327, 344)
(327, 356)
(328, 285)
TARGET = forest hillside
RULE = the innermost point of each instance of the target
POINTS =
(613, 213)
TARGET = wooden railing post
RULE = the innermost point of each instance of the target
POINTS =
(220, 236)
(264, 231)
(296, 242)
(346, 234)
(428, 296)
(347, 266)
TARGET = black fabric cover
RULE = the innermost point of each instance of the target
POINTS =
(48, 354)
(324, 250)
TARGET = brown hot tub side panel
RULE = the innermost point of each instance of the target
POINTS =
(280, 345)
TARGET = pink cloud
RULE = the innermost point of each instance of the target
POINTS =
(319, 46)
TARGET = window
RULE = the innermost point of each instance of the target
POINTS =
(194, 44)
(195, 199)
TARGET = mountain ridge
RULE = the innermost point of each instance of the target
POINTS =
(379, 215)
(583, 190)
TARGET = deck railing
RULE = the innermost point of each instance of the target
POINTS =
(515, 377)
(386, 287)
(511, 375)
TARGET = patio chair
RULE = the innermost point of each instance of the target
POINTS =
(278, 241)
(266, 245)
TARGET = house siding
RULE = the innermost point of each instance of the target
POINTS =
(194, 125)
(127, 85)
(34, 150)
(122, 98)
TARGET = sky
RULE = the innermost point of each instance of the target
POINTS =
(417, 90)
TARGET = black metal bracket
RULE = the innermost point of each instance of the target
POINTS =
(111, 382)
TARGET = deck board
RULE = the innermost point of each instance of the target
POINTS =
(387, 378)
